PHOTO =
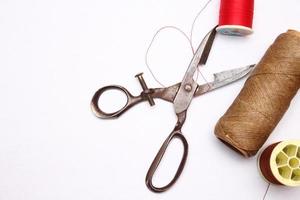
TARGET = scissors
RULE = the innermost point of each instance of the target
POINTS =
(181, 95)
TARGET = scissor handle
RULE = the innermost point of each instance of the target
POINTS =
(131, 101)
(175, 134)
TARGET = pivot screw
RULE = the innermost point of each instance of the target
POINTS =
(188, 87)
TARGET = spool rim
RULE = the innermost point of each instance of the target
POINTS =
(244, 30)
(279, 148)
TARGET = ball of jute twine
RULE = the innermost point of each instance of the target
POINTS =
(264, 98)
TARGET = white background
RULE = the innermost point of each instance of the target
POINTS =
(55, 54)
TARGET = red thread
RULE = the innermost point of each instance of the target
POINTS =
(236, 13)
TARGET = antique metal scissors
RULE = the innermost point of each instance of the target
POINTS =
(181, 95)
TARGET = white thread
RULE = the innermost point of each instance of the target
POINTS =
(153, 39)
(185, 35)
(195, 19)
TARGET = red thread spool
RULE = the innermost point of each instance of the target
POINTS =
(236, 17)
(279, 163)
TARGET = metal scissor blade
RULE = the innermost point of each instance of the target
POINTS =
(188, 86)
(231, 74)
(224, 78)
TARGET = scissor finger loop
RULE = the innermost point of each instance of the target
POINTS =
(131, 101)
(175, 134)
(158, 158)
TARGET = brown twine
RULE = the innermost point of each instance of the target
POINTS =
(264, 98)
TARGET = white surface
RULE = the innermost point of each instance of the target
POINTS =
(55, 54)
